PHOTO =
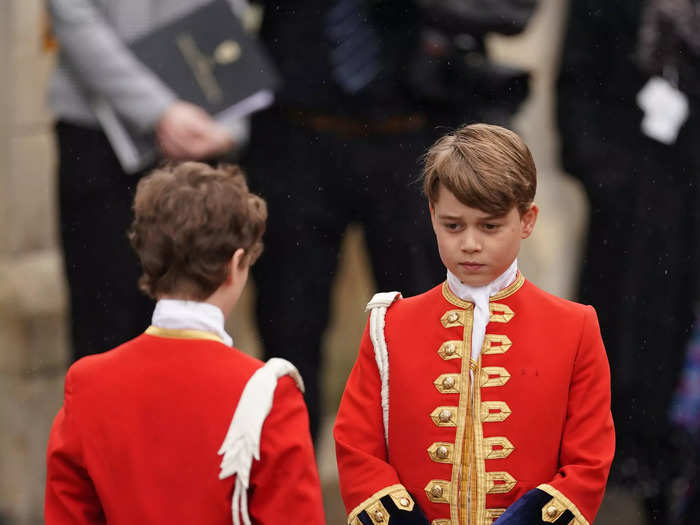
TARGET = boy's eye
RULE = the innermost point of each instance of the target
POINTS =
(451, 226)
(490, 226)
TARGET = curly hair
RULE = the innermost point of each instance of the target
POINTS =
(189, 220)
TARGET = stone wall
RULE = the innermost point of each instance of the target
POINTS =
(32, 296)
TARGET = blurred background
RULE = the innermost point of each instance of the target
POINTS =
(34, 317)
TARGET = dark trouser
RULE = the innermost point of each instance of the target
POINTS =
(640, 273)
(102, 270)
(315, 185)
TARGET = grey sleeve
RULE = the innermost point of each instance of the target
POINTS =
(103, 65)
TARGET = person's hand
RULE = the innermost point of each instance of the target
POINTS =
(187, 132)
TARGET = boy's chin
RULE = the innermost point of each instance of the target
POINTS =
(473, 279)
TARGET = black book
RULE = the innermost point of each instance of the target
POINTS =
(207, 58)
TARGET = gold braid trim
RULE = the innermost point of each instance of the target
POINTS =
(579, 518)
(397, 492)
(482, 481)
(173, 333)
(510, 289)
(506, 292)
(462, 438)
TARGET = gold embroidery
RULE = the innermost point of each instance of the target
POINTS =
(499, 482)
(447, 383)
(500, 313)
(494, 411)
(403, 500)
(441, 522)
(496, 344)
(444, 416)
(468, 477)
(452, 318)
(552, 510)
(579, 519)
(452, 298)
(378, 514)
(438, 491)
(492, 515)
(370, 504)
(174, 333)
(441, 452)
(494, 376)
(497, 447)
(481, 483)
(510, 289)
(468, 472)
(451, 350)
(506, 292)
(463, 438)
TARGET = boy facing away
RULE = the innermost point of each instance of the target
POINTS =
(484, 399)
(144, 427)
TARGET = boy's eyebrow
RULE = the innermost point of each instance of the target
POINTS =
(459, 218)
(450, 217)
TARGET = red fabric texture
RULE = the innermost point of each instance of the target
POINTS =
(558, 392)
(136, 440)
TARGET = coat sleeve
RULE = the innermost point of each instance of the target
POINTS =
(285, 481)
(103, 64)
(70, 496)
(369, 484)
(587, 444)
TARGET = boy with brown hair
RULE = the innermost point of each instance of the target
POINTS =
(484, 399)
(142, 426)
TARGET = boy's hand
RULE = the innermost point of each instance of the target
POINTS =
(187, 132)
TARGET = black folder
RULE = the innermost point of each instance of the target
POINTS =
(207, 58)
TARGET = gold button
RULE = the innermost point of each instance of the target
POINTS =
(378, 516)
(442, 452)
(450, 349)
(436, 491)
(552, 511)
(452, 317)
(448, 382)
(445, 416)
(404, 502)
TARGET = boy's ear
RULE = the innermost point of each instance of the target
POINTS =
(237, 259)
(528, 220)
(238, 265)
(431, 210)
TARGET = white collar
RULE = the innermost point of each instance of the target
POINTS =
(467, 293)
(480, 295)
(190, 315)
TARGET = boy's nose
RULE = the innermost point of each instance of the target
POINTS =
(471, 242)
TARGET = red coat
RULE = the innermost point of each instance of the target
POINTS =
(538, 417)
(137, 438)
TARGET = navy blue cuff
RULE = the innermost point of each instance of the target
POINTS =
(535, 508)
(388, 510)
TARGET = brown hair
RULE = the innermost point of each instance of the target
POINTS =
(486, 167)
(189, 219)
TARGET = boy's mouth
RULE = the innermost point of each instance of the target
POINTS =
(471, 265)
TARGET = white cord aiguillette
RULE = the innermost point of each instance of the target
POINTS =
(242, 442)
(377, 308)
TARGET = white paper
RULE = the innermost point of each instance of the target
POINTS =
(665, 110)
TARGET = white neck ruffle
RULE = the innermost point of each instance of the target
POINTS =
(480, 295)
